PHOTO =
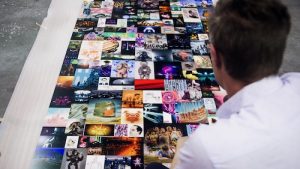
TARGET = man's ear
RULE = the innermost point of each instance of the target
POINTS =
(215, 58)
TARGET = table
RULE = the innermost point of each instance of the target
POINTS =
(135, 78)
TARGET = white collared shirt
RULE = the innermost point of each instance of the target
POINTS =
(258, 128)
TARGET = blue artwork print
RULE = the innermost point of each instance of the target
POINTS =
(86, 78)
(122, 69)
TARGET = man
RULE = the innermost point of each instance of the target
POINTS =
(259, 124)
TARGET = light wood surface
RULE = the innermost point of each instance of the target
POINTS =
(22, 122)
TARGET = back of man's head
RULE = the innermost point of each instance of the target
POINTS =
(249, 37)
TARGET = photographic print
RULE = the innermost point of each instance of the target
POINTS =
(182, 55)
(153, 113)
(122, 69)
(56, 117)
(74, 127)
(148, 4)
(132, 99)
(200, 47)
(144, 70)
(74, 158)
(90, 50)
(81, 96)
(204, 3)
(152, 96)
(72, 141)
(193, 112)
(142, 54)
(190, 15)
(203, 37)
(202, 61)
(111, 49)
(86, 79)
(78, 111)
(178, 41)
(148, 29)
(210, 105)
(123, 146)
(47, 158)
(63, 95)
(121, 130)
(188, 3)
(207, 80)
(95, 161)
(155, 41)
(188, 66)
(52, 137)
(104, 111)
(175, 85)
(125, 82)
(99, 130)
(132, 116)
(168, 70)
(140, 40)
(136, 130)
(128, 48)
(105, 68)
(195, 28)
(68, 69)
(117, 162)
(162, 55)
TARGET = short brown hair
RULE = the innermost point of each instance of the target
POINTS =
(250, 36)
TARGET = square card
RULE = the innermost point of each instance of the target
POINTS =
(153, 113)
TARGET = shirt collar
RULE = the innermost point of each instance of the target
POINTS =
(248, 94)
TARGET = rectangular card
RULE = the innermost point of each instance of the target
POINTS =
(47, 158)
(56, 117)
(168, 70)
(99, 130)
(155, 41)
(123, 146)
(190, 15)
(178, 41)
(193, 112)
(104, 111)
(149, 84)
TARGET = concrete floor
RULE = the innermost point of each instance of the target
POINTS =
(18, 30)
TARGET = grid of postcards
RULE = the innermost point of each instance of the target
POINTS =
(136, 77)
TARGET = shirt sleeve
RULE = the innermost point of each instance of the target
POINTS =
(193, 155)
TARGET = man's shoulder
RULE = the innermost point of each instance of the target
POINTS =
(292, 81)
